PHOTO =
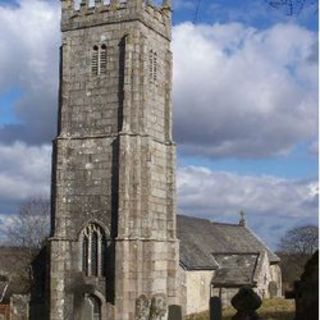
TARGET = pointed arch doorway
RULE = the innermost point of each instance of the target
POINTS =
(91, 308)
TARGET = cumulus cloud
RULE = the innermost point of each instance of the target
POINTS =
(243, 92)
(273, 205)
(24, 173)
(238, 91)
(29, 61)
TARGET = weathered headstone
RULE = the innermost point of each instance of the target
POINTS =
(273, 289)
(215, 308)
(246, 302)
(158, 307)
(174, 312)
(142, 308)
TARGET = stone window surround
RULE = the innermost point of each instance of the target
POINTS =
(87, 232)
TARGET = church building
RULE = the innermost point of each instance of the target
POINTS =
(113, 251)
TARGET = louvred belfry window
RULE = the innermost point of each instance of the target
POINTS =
(153, 66)
(94, 60)
(99, 60)
(94, 251)
(103, 59)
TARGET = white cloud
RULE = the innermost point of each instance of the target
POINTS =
(242, 92)
(238, 91)
(24, 172)
(272, 204)
(29, 61)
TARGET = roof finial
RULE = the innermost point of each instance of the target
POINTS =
(242, 221)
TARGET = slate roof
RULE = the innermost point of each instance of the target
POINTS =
(201, 240)
(235, 270)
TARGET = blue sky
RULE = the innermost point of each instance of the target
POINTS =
(258, 13)
(245, 109)
(300, 162)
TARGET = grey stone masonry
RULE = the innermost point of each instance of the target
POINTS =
(113, 163)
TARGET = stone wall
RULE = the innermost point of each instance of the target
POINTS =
(114, 158)
(198, 290)
(276, 278)
(195, 286)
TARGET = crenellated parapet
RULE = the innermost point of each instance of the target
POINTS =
(96, 13)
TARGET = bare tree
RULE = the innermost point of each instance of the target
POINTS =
(30, 227)
(295, 249)
(292, 7)
(26, 234)
(301, 241)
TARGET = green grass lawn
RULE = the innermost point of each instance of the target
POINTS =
(271, 309)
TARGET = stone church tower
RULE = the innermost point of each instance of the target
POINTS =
(113, 246)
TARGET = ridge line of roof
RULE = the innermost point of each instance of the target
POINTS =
(212, 221)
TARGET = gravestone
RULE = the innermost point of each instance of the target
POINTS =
(273, 289)
(246, 302)
(306, 291)
(174, 312)
(142, 308)
(158, 307)
(215, 308)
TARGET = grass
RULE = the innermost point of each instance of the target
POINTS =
(271, 309)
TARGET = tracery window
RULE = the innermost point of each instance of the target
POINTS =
(94, 251)
(99, 60)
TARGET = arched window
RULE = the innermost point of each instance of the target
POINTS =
(99, 60)
(94, 251)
